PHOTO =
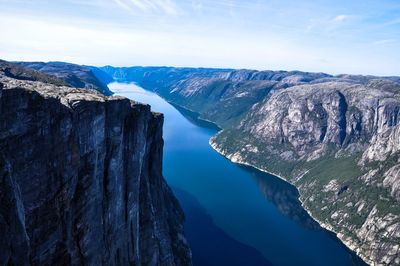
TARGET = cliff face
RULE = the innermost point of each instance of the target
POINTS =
(81, 182)
(336, 138)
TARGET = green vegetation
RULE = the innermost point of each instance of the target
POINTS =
(324, 169)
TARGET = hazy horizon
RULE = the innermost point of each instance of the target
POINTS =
(345, 37)
(200, 67)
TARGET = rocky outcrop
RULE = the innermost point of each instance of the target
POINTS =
(336, 138)
(17, 72)
(81, 181)
(310, 117)
(74, 75)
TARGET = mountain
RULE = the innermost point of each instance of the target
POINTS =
(74, 75)
(81, 178)
(22, 73)
(336, 138)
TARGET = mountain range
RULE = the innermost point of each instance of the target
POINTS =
(334, 137)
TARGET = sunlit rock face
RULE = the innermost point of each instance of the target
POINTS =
(81, 182)
(309, 117)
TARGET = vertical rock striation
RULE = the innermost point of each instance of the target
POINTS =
(81, 181)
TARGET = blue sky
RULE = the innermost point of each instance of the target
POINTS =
(342, 36)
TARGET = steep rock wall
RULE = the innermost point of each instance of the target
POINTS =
(81, 180)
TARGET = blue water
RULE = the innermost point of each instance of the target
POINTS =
(235, 215)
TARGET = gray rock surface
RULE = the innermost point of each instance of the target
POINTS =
(81, 181)
(74, 75)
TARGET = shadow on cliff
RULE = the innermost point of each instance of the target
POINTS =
(210, 245)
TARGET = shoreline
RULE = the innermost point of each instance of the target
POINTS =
(349, 244)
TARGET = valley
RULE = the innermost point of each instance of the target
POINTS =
(333, 137)
(256, 218)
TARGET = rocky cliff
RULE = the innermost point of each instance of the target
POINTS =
(77, 76)
(336, 138)
(80, 179)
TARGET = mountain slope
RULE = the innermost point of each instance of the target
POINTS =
(74, 75)
(15, 71)
(334, 137)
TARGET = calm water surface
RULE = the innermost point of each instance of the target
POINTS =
(235, 215)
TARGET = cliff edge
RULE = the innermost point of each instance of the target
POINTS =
(81, 181)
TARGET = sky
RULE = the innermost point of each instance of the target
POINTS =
(341, 36)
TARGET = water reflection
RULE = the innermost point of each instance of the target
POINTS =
(275, 190)
(193, 118)
(284, 196)
(211, 246)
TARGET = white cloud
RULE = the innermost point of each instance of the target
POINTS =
(327, 24)
(147, 6)
(142, 5)
(168, 6)
(340, 18)
(100, 45)
(123, 5)
(193, 33)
